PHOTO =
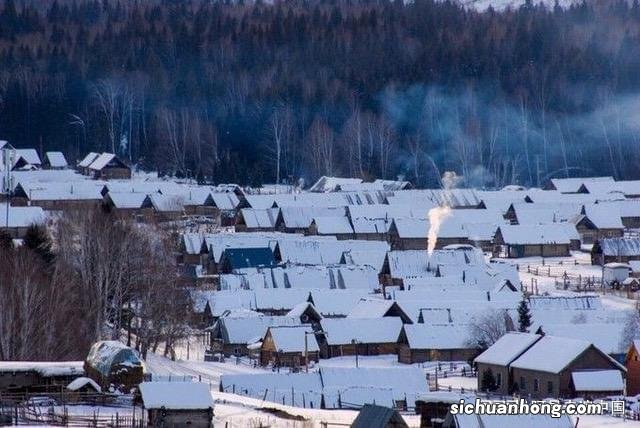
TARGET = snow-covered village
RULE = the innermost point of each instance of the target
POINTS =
(348, 303)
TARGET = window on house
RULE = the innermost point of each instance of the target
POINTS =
(549, 387)
(523, 384)
(499, 379)
(536, 385)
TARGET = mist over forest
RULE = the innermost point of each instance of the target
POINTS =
(254, 93)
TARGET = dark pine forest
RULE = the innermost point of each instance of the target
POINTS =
(250, 92)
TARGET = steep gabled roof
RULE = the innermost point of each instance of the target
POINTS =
(508, 348)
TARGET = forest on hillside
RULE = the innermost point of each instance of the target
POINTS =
(253, 93)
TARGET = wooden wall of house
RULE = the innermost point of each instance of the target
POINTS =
(503, 371)
(633, 372)
(407, 355)
(199, 418)
(362, 348)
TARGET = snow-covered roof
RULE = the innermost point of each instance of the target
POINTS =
(260, 218)
(224, 200)
(375, 259)
(332, 225)
(56, 159)
(571, 185)
(176, 395)
(534, 234)
(598, 381)
(298, 310)
(81, 382)
(508, 348)
(606, 336)
(126, 200)
(545, 213)
(60, 190)
(619, 246)
(551, 354)
(45, 369)
(101, 161)
(408, 263)
(604, 216)
(412, 228)
(329, 184)
(393, 184)
(29, 155)
(192, 243)
(371, 308)
(429, 336)
(166, 203)
(356, 277)
(291, 339)
(300, 217)
(371, 225)
(341, 331)
(336, 302)
(86, 161)
(629, 187)
(246, 329)
(21, 216)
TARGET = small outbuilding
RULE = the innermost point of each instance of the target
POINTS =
(174, 404)
(373, 416)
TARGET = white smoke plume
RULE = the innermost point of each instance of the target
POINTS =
(438, 215)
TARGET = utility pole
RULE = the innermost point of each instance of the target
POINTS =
(306, 347)
(355, 345)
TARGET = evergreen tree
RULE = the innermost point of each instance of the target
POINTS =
(6, 242)
(37, 239)
(488, 382)
(524, 316)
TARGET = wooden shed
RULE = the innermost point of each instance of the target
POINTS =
(176, 404)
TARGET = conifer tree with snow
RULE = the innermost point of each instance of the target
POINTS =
(488, 382)
(524, 316)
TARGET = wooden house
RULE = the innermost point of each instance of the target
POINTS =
(419, 343)
(615, 250)
(58, 196)
(408, 234)
(31, 376)
(174, 404)
(597, 222)
(108, 166)
(287, 346)
(331, 226)
(111, 363)
(550, 366)
(632, 363)
(257, 220)
(83, 165)
(362, 336)
(514, 241)
(496, 360)
(55, 160)
(129, 205)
